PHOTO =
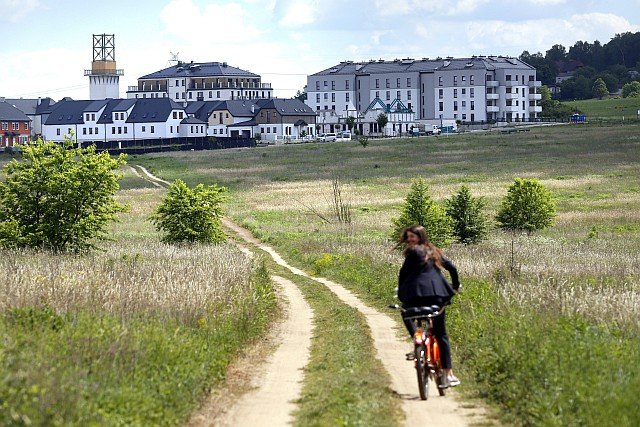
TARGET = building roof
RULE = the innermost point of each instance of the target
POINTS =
(286, 107)
(423, 65)
(119, 105)
(30, 106)
(10, 113)
(150, 110)
(200, 69)
(192, 121)
(68, 112)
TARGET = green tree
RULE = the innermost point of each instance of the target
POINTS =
(301, 95)
(631, 90)
(382, 121)
(420, 209)
(351, 122)
(470, 224)
(528, 206)
(191, 215)
(58, 197)
(600, 89)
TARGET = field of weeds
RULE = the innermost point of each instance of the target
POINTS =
(555, 298)
(134, 334)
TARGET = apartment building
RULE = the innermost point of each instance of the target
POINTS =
(428, 90)
(206, 81)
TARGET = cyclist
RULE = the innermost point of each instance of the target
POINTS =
(422, 283)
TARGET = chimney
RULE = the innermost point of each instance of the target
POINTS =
(253, 109)
(2, 98)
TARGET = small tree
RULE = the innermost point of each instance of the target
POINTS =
(58, 198)
(528, 206)
(469, 222)
(191, 215)
(631, 90)
(351, 122)
(382, 121)
(420, 209)
(600, 89)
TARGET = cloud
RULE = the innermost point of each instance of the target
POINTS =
(297, 14)
(440, 7)
(547, 2)
(15, 10)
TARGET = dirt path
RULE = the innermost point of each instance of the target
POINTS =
(439, 411)
(270, 401)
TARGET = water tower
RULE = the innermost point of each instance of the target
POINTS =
(104, 77)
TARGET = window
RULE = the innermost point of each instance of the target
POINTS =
(93, 117)
(175, 114)
(177, 95)
(177, 83)
(455, 105)
(58, 131)
(398, 95)
(333, 97)
(96, 130)
(387, 83)
(377, 83)
(439, 81)
(144, 128)
(388, 95)
(455, 80)
(440, 93)
(464, 91)
(84, 131)
(441, 106)
(408, 81)
(16, 126)
(5, 126)
(472, 105)
(346, 97)
(113, 130)
(326, 96)
(210, 94)
(377, 94)
(317, 86)
(398, 82)
(217, 94)
(346, 84)
(471, 80)
(333, 85)
(317, 97)
(180, 115)
(464, 104)
(464, 78)
(87, 117)
(325, 83)
(471, 92)
(464, 117)
(125, 130)
(508, 76)
(182, 82)
(408, 94)
(455, 93)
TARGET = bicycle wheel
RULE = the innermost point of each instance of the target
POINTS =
(440, 379)
(422, 371)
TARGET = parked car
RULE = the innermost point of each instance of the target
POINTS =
(346, 135)
(327, 137)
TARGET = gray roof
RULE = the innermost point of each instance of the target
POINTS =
(10, 113)
(192, 121)
(151, 110)
(287, 107)
(30, 106)
(119, 105)
(200, 69)
(423, 65)
(68, 112)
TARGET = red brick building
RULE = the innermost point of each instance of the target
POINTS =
(15, 126)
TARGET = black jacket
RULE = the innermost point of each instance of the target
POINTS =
(419, 279)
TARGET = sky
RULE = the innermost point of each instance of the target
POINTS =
(45, 45)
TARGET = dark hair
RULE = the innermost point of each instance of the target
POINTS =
(431, 250)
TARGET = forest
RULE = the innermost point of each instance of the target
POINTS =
(617, 63)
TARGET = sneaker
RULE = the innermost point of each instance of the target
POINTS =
(410, 356)
(453, 381)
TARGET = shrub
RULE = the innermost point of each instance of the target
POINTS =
(469, 222)
(527, 206)
(631, 90)
(420, 209)
(191, 215)
(58, 197)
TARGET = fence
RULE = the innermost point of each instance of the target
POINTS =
(142, 146)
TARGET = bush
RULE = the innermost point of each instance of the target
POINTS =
(528, 206)
(469, 222)
(58, 197)
(191, 215)
(420, 209)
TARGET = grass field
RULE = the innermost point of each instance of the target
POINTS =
(524, 313)
(611, 108)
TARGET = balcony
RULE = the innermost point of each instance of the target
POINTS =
(492, 83)
(511, 95)
(513, 109)
(535, 83)
(511, 83)
(493, 109)
(535, 109)
(493, 96)
(104, 73)
(535, 96)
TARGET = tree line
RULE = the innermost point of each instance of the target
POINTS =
(616, 64)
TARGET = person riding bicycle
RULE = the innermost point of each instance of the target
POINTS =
(422, 283)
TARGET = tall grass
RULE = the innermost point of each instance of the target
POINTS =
(136, 334)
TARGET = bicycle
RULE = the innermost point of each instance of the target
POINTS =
(426, 351)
